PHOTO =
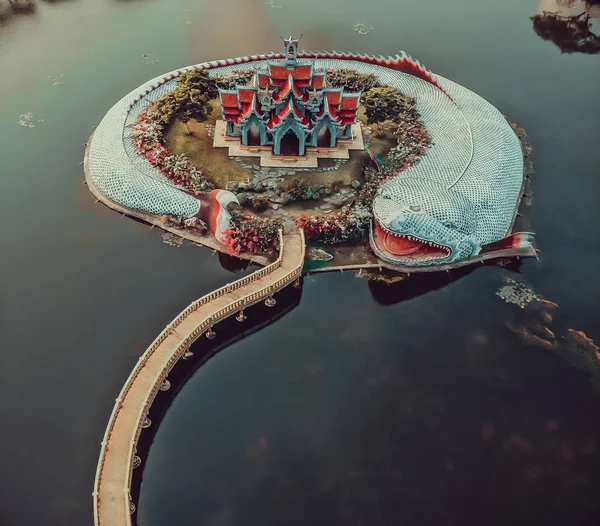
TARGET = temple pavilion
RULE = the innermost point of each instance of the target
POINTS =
(290, 106)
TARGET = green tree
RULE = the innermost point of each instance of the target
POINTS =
(190, 100)
(198, 79)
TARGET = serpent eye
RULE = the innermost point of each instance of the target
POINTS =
(449, 224)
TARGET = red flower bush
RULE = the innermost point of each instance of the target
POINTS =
(259, 235)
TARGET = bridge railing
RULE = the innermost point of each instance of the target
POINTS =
(235, 306)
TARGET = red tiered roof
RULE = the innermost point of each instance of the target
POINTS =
(334, 97)
(294, 85)
(229, 100)
(350, 101)
(302, 74)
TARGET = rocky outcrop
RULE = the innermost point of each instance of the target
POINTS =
(317, 254)
(191, 224)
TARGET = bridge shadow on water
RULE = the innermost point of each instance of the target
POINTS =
(259, 316)
(227, 332)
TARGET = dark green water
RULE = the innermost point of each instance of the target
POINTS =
(348, 410)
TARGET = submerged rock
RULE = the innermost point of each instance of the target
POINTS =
(318, 254)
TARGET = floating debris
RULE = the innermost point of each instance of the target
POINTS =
(271, 3)
(27, 121)
(171, 239)
(363, 29)
(150, 58)
(56, 80)
(184, 9)
(517, 293)
(188, 22)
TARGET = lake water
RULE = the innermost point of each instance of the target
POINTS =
(414, 404)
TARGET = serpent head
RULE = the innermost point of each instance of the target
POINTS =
(420, 222)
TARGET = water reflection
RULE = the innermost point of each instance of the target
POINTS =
(390, 293)
(228, 331)
(385, 293)
(232, 263)
(11, 7)
(573, 25)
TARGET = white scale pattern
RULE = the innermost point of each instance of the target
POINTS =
(474, 148)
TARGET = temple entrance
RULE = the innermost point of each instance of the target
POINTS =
(254, 135)
(324, 137)
(290, 144)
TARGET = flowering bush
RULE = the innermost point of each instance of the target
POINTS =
(349, 225)
(259, 235)
(147, 135)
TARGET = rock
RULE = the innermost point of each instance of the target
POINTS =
(317, 254)
(274, 206)
(195, 224)
(242, 198)
(173, 221)
(338, 201)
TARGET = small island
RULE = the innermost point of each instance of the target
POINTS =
(380, 162)
(297, 161)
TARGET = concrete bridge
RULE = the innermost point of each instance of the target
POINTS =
(112, 502)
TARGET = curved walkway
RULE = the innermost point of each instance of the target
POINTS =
(113, 476)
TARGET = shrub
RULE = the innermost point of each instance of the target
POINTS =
(352, 80)
(253, 234)
(298, 188)
(231, 80)
(382, 104)
(260, 202)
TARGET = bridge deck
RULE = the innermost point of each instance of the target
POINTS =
(113, 477)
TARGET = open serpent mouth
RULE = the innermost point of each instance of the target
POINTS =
(406, 246)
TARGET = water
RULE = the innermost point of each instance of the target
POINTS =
(360, 405)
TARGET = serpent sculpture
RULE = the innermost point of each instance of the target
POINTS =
(458, 202)
(453, 211)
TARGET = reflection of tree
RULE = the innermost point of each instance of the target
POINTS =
(570, 33)
(232, 263)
